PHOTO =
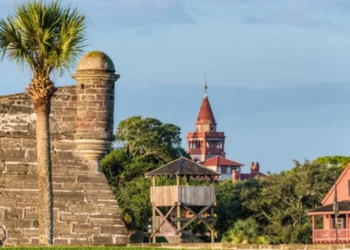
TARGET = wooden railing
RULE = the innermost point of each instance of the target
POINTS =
(329, 235)
(188, 195)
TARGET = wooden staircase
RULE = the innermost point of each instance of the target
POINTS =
(169, 229)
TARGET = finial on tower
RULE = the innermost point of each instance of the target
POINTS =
(205, 86)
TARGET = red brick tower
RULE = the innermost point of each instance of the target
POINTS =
(205, 142)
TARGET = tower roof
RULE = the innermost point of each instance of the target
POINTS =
(205, 113)
(182, 167)
(221, 161)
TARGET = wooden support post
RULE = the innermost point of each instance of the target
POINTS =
(330, 228)
(177, 180)
(313, 228)
(347, 227)
(153, 218)
(153, 181)
(211, 230)
(178, 216)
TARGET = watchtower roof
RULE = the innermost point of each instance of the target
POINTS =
(182, 167)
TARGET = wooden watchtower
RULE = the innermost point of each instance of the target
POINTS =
(175, 208)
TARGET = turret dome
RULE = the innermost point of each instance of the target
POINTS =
(96, 60)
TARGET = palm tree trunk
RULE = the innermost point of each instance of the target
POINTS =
(45, 194)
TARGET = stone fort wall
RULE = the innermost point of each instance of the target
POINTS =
(85, 209)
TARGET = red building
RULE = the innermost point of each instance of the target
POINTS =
(207, 146)
(324, 230)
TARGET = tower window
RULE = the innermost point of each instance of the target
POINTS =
(82, 86)
(212, 128)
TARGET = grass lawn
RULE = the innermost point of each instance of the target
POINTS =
(81, 248)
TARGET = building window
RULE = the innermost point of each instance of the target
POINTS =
(224, 170)
(341, 222)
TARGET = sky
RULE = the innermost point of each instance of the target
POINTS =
(278, 71)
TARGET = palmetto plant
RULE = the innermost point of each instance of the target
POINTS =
(244, 231)
(46, 38)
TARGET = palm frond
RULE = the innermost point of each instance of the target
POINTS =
(46, 37)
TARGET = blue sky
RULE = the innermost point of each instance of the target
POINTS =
(278, 70)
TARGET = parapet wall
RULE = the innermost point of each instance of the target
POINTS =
(85, 210)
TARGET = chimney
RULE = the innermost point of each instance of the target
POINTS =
(255, 167)
(235, 175)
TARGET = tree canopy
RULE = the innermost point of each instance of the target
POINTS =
(278, 203)
(338, 162)
(149, 137)
(143, 144)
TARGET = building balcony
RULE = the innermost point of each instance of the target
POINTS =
(195, 151)
(329, 236)
(206, 134)
(215, 151)
(207, 151)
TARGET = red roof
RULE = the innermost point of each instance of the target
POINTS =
(205, 113)
(220, 161)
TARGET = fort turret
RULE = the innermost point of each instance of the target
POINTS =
(95, 105)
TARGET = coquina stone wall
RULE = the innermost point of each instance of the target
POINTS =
(85, 210)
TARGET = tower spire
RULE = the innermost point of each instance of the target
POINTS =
(201, 143)
(205, 86)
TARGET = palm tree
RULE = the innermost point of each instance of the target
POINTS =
(46, 38)
(244, 231)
